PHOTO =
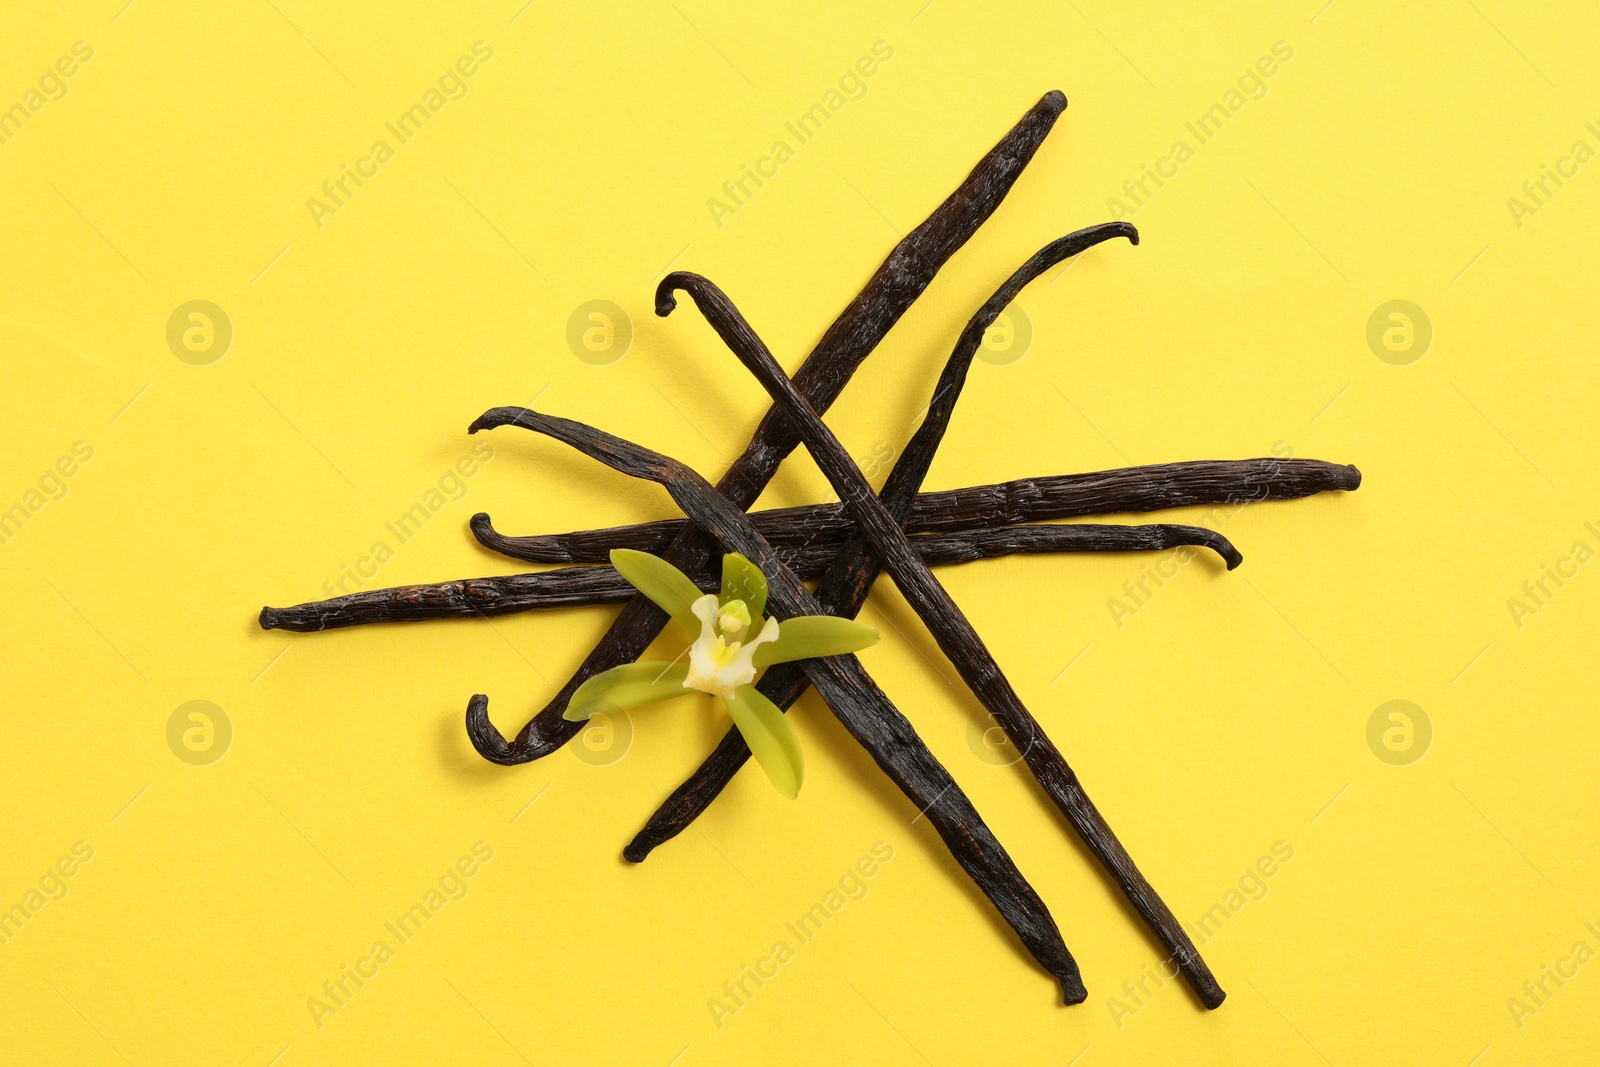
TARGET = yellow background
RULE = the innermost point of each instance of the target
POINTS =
(1227, 715)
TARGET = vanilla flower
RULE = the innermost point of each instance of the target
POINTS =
(733, 642)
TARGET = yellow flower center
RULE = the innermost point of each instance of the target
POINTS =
(734, 619)
(718, 665)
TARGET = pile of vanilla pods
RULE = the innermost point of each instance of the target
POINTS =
(844, 546)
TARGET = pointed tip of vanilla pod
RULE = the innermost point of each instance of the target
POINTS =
(1055, 99)
(494, 418)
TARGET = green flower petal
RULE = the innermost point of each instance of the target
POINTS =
(808, 636)
(663, 583)
(624, 688)
(771, 738)
(743, 580)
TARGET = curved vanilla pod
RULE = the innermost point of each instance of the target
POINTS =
(857, 702)
(902, 277)
(952, 631)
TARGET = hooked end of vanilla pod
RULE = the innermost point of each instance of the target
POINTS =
(1072, 989)
(666, 299)
(1352, 480)
(1223, 547)
(489, 742)
(268, 618)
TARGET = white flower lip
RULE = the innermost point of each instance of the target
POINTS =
(717, 666)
